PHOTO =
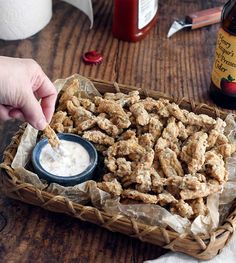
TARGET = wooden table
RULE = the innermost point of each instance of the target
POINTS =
(180, 66)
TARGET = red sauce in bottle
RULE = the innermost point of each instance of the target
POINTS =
(133, 19)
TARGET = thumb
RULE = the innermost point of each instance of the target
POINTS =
(33, 113)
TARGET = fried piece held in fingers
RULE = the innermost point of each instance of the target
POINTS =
(52, 137)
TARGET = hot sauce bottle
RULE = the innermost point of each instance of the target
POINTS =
(223, 79)
(133, 19)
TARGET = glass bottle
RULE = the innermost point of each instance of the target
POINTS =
(133, 19)
(223, 79)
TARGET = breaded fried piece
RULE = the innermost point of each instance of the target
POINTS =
(193, 153)
(155, 126)
(98, 137)
(215, 166)
(146, 140)
(141, 176)
(128, 100)
(86, 124)
(166, 198)
(109, 177)
(186, 131)
(70, 91)
(129, 134)
(182, 208)
(52, 137)
(171, 132)
(169, 163)
(187, 182)
(112, 187)
(87, 104)
(123, 167)
(77, 111)
(201, 120)
(110, 163)
(114, 110)
(106, 125)
(216, 132)
(136, 195)
(57, 121)
(198, 206)
(125, 148)
(204, 189)
(175, 111)
(141, 115)
(68, 122)
(157, 181)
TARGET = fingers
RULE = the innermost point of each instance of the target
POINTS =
(16, 114)
(47, 92)
(33, 112)
(4, 113)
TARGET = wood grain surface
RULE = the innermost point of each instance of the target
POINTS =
(179, 66)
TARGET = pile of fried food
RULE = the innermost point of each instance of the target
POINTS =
(155, 152)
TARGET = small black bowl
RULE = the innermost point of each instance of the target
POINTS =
(87, 174)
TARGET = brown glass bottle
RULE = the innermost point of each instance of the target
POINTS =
(223, 79)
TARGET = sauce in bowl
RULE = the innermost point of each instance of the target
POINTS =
(70, 159)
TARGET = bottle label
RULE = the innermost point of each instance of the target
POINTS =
(224, 67)
(146, 11)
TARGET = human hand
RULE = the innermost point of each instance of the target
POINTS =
(22, 83)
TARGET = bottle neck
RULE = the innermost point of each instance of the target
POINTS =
(229, 17)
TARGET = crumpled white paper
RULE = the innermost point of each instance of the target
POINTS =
(228, 255)
(85, 6)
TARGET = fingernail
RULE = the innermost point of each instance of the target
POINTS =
(41, 124)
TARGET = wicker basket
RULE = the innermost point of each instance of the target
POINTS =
(201, 247)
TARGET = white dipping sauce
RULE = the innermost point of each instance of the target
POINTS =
(70, 159)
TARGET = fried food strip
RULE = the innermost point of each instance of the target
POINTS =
(198, 206)
(201, 120)
(87, 104)
(146, 140)
(128, 100)
(157, 181)
(141, 115)
(141, 176)
(166, 198)
(193, 153)
(114, 110)
(57, 121)
(87, 124)
(155, 126)
(109, 177)
(52, 137)
(126, 148)
(171, 132)
(98, 137)
(156, 106)
(136, 195)
(216, 132)
(176, 112)
(70, 91)
(187, 182)
(129, 134)
(170, 164)
(182, 208)
(106, 125)
(123, 99)
(204, 189)
(68, 122)
(77, 111)
(215, 167)
(113, 187)
(123, 167)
